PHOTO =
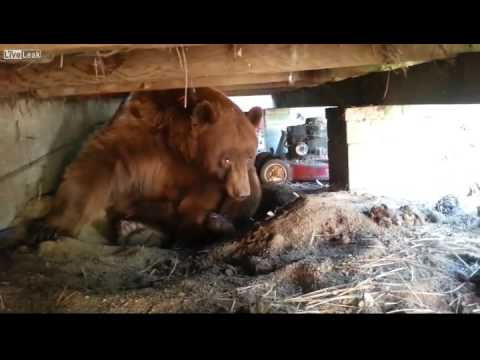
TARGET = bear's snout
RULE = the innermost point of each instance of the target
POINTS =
(240, 196)
(238, 182)
(238, 193)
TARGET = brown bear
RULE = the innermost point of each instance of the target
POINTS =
(161, 162)
(229, 217)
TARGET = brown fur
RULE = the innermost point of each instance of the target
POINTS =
(157, 151)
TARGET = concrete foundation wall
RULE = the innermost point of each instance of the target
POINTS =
(418, 152)
(37, 140)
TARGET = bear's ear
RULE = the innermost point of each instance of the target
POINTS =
(203, 112)
(255, 115)
(134, 107)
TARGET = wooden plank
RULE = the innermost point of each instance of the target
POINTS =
(302, 80)
(306, 78)
(212, 60)
(204, 81)
(235, 83)
(250, 92)
(57, 49)
(441, 82)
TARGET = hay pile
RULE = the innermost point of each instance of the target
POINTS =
(409, 267)
(425, 274)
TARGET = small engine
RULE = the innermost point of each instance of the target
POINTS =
(308, 141)
(301, 155)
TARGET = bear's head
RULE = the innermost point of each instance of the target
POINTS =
(226, 142)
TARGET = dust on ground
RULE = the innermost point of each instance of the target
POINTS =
(330, 252)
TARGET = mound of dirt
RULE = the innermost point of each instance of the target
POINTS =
(321, 253)
(302, 225)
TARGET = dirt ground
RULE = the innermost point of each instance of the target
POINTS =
(329, 252)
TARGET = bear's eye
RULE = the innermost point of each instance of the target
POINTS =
(226, 162)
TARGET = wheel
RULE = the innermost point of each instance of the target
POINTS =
(275, 171)
(261, 158)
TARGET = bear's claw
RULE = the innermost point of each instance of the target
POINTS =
(39, 231)
(219, 224)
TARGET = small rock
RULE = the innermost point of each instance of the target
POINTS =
(23, 249)
(270, 213)
(448, 205)
(326, 266)
(368, 300)
(277, 243)
(132, 234)
(409, 216)
(385, 222)
(261, 265)
(345, 238)
(397, 220)
(229, 272)
(381, 214)
(434, 216)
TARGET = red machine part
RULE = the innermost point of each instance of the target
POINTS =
(309, 172)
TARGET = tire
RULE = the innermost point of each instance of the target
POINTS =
(261, 158)
(275, 171)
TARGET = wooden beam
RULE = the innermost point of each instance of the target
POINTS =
(234, 83)
(65, 49)
(203, 81)
(337, 148)
(290, 80)
(308, 79)
(442, 82)
(166, 65)
(251, 92)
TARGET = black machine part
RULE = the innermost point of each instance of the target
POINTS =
(282, 143)
(307, 140)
